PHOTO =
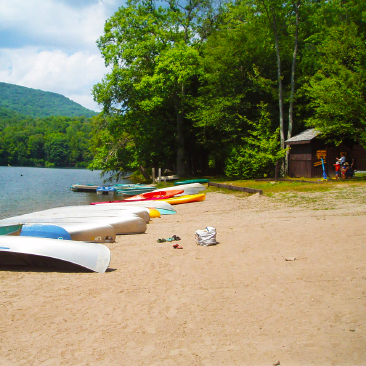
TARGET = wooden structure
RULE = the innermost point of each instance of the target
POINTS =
(307, 149)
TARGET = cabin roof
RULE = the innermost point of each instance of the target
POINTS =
(304, 137)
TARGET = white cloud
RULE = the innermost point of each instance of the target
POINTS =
(53, 23)
(51, 45)
(70, 75)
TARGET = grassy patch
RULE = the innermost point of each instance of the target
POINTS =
(271, 187)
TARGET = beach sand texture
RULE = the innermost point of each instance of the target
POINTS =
(285, 285)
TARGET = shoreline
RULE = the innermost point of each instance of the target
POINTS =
(236, 303)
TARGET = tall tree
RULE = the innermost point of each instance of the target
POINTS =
(152, 52)
(338, 89)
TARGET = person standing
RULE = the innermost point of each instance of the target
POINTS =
(344, 170)
(342, 160)
(337, 167)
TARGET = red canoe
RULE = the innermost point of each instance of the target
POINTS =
(159, 195)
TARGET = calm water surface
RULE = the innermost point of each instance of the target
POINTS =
(24, 190)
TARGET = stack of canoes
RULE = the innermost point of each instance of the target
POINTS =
(132, 189)
(74, 235)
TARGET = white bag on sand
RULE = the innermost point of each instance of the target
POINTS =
(206, 237)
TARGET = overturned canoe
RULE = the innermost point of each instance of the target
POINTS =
(134, 190)
(187, 199)
(81, 211)
(192, 188)
(23, 250)
(163, 207)
(126, 224)
(82, 231)
(155, 195)
(191, 181)
(12, 229)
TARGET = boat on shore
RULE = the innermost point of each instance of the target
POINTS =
(199, 197)
(82, 211)
(45, 252)
(190, 188)
(12, 229)
(163, 207)
(191, 181)
(106, 190)
(84, 188)
(155, 195)
(128, 223)
(80, 231)
(132, 189)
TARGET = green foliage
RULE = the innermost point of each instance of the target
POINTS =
(153, 53)
(259, 151)
(38, 103)
(338, 88)
(182, 73)
(51, 141)
(28, 138)
(56, 148)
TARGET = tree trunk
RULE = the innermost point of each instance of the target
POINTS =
(181, 168)
(292, 94)
(293, 67)
(271, 16)
(144, 173)
(279, 80)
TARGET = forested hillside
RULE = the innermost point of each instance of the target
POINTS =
(38, 103)
(205, 86)
(50, 141)
(43, 129)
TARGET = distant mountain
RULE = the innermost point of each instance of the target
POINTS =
(38, 103)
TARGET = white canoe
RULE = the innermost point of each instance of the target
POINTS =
(126, 224)
(61, 212)
(92, 232)
(191, 188)
(89, 211)
(163, 207)
(23, 250)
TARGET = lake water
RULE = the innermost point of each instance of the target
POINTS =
(25, 190)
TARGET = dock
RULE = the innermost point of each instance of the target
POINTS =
(84, 188)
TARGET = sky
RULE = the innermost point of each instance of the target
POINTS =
(51, 45)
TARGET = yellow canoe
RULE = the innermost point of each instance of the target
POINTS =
(186, 199)
(154, 212)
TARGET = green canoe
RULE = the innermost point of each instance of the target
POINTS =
(10, 229)
(191, 181)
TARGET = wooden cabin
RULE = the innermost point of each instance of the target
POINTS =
(307, 149)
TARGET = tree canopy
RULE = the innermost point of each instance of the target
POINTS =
(198, 86)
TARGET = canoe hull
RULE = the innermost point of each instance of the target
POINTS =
(163, 207)
(155, 195)
(187, 199)
(20, 250)
(192, 188)
(91, 232)
(191, 181)
(128, 224)
(13, 229)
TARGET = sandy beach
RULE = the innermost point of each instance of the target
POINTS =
(286, 285)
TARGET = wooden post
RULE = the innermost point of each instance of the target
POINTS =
(159, 175)
(153, 175)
